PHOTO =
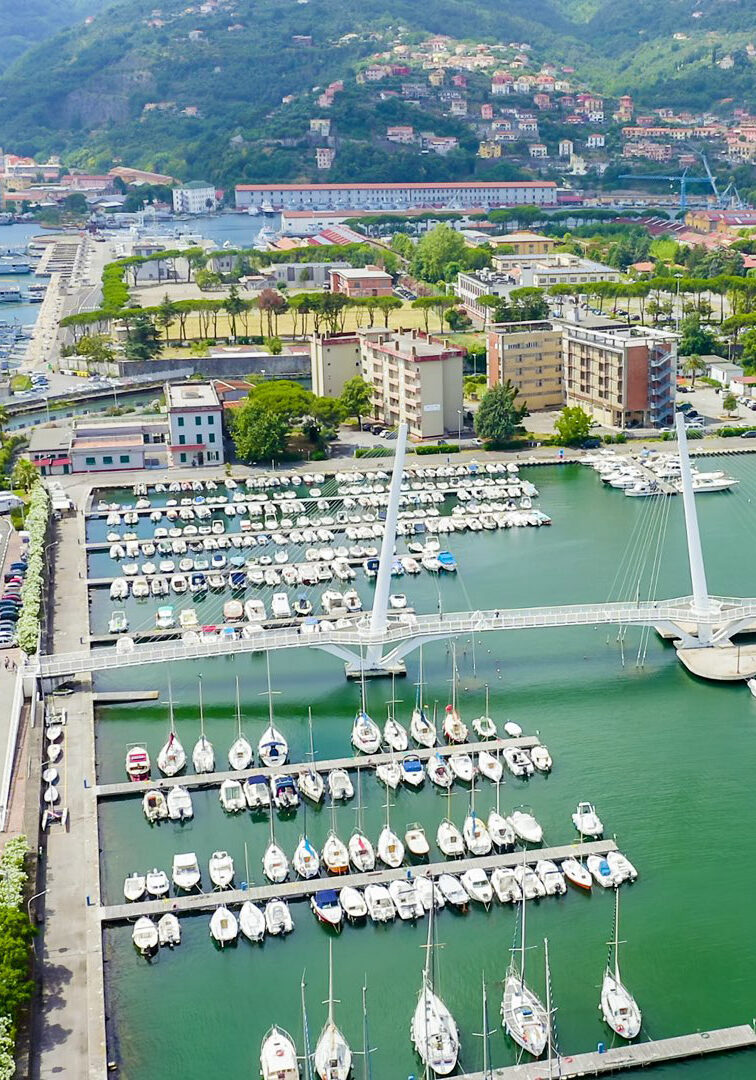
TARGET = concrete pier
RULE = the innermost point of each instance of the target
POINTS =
(630, 1056)
(365, 761)
(299, 890)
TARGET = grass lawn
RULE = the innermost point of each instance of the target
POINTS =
(663, 247)
(18, 383)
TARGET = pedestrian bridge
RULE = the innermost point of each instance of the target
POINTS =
(677, 619)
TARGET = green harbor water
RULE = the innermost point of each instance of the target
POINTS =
(667, 760)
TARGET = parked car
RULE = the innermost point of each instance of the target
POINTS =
(749, 434)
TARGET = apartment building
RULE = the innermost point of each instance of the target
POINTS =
(195, 197)
(414, 378)
(623, 377)
(194, 423)
(525, 242)
(335, 359)
(552, 269)
(471, 285)
(461, 194)
(124, 445)
(529, 355)
(360, 283)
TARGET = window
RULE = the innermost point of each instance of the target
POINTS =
(211, 418)
(199, 440)
(124, 459)
(182, 459)
(182, 440)
(107, 459)
(91, 461)
(197, 421)
(211, 437)
(180, 421)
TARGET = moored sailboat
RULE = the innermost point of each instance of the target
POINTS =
(433, 1029)
(618, 1006)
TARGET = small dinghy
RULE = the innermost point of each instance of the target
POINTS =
(145, 936)
(541, 758)
(505, 885)
(512, 729)
(475, 882)
(157, 883)
(406, 901)
(252, 921)
(224, 926)
(453, 891)
(413, 773)
(134, 886)
(490, 766)
(221, 869)
(169, 930)
(517, 761)
(232, 797)
(416, 840)
(326, 908)
(449, 840)
(621, 867)
(340, 787)
(278, 918)
(600, 871)
(155, 806)
(576, 873)
(526, 827)
(352, 903)
(179, 804)
(379, 904)
(586, 820)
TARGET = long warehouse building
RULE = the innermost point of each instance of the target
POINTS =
(457, 195)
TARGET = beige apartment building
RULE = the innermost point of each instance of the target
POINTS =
(414, 378)
(623, 377)
(335, 360)
(529, 355)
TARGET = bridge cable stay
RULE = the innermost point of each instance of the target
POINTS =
(645, 633)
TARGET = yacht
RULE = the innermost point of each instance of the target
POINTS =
(172, 756)
(406, 900)
(179, 804)
(333, 1057)
(155, 806)
(416, 840)
(306, 860)
(231, 795)
(137, 762)
(449, 839)
(517, 761)
(240, 754)
(379, 904)
(278, 1056)
(134, 886)
(523, 1016)
(272, 748)
(186, 872)
(618, 1006)
(541, 758)
(156, 882)
(526, 827)
(224, 926)
(327, 908)
(462, 766)
(505, 885)
(278, 918)
(203, 755)
(453, 891)
(395, 735)
(352, 903)
(221, 869)
(621, 867)
(145, 933)
(551, 876)
(275, 863)
(366, 735)
(490, 766)
(412, 770)
(251, 921)
(439, 772)
(576, 873)
(340, 787)
(476, 883)
(335, 854)
(257, 793)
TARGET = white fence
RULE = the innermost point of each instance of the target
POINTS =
(16, 706)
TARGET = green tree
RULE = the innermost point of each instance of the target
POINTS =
(199, 348)
(16, 934)
(75, 203)
(165, 314)
(258, 433)
(25, 474)
(143, 340)
(573, 425)
(499, 415)
(729, 402)
(356, 398)
(274, 345)
(435, 251)
(403, 245)
(387, 304)
(693, 365)
(96, 347)
(748, 344)
(233, 305)
(697, 340)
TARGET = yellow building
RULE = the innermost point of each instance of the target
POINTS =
(526, 243)
(529, 355)
(489, 149)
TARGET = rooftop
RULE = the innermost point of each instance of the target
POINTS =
(49, 440)
(105, 442)
(191, 395)
(399, 187)
(360, 275)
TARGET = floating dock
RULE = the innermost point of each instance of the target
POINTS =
(631, 1056)
(300, 889)
(369, 761)
(124, 697)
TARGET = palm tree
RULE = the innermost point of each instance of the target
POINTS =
(25, 474)
(693, 365)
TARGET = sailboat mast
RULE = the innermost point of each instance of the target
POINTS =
(616, 933)
(170, 701)
(486, 1058)
(330, 982)
(454, 675)
(420, 682)
(201, 711)
(309, 724)
(522, 946)
(367, 1070)
(270, 693)
(306, 1034)
(246, 863)
(548, 1002)
(238, 708)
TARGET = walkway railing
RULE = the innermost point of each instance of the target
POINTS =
(16, 707)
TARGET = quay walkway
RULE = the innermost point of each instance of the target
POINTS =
(629, 1056)
(300, 889)
(206, 780)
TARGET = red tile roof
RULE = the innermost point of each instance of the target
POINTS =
(399, 187)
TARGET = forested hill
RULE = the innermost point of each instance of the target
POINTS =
(24, 23)
(225, 89)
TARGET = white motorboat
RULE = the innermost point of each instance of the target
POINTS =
(155, 806)
(231, 795)
(449, 840)
(251, 921)
(366, 735)
(340, 787)
(490, 766)
(335, 854)
(576, 873)
(395, 735)
(413, 773)
(586, 820)
(505, 885)
(379, 904)
(750, 683)
(483, 726)
(618, 1006)
(551, 876)
(526, 826)
(203, 755)
(137, 758)
(512, 729)
(118, 623)
(352, 903)
(476, 836)
(601, 871)
(278, 1056)
(275, 863)
(361, 852)
(389, 773)
(240, 754)
(333, 1057)
(145, 935)
(280, 607)
(429, 893)
(541, 758)
(621, 867)
(433, 1029)
(406, 901)
(462, 766)
(476, 884)
(169, 930)
(416, 840)
(257, 792)
(284, 792)
(306, 860)
(500, 830)
(453, 891)
(439, 772)
(134, 887)
(517, 761)
(186, 872)
(523, 1016)
(156, 882)
(327, 909)
(221, 869)
(224, 926)
(179, 804)
(278, 918)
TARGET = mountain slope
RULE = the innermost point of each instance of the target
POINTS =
(25, 24)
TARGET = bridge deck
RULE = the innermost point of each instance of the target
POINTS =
(631, 1056)
(297, 890)
(205, 780)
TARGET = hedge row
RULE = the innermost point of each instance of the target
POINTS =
(437, 448)
(27, 628)
(15, 937)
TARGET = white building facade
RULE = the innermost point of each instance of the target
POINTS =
(194, 198)
(402, 196)
(195, 424)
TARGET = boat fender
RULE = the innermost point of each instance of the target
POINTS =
(620, 1029)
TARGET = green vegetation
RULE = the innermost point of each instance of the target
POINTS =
(499, 415)
(27, 627)
(355, 398)
(572, 426)
(25, 474)
(16, 934)
(19, 383)
(262, 427)
(729, 402)
(437, 448)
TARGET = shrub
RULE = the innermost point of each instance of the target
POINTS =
(27, 627)
(318, 455)
(437, 448)
(729, 432)
(373, 451)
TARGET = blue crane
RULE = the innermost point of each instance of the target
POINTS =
(683, 180)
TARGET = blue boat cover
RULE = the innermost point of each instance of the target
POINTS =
(326, 896)
(413, 765)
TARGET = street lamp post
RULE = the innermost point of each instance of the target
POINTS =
(459, 431)
(677, 304)
(31, 901)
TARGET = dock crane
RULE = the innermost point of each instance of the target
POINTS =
(683, 180)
